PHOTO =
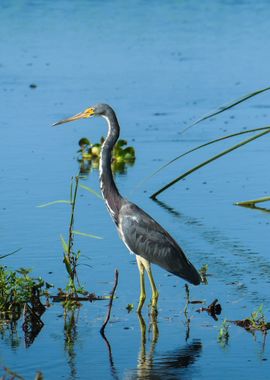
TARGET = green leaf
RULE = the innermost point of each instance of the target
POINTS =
(84, 141)
(91, 191)
(24, 271)
(87, 235)
(64, 244)
(54, 202)
(68, 266)
(121, 143)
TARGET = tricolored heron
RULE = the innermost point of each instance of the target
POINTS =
(142, 235)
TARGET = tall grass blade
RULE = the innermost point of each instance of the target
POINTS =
(9, 254)
(227, 106)
(204, 163)
(54, 202)
(252, 202)
(86, 235)
(91, 190)
(197, 148)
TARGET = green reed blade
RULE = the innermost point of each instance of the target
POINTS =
(204, 163)
(227, 106)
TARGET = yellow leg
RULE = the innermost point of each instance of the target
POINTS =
(143, 293)
(155, 293)
(145, 265)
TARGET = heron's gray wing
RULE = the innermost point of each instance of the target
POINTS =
(145, 237)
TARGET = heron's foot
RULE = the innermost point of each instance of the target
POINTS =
(141, 303)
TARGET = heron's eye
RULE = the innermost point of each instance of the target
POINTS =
(89, 112)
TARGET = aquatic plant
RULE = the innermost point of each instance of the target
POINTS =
(263, 131)
(71, 258)
(21, 294)
(121, 155)
(18, 288)
(203, 272)
(73, 293)
(223, 335)
(255, 322)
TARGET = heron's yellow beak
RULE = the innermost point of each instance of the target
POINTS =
(83, 115)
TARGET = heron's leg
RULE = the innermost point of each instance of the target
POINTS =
(143, 293)
(147, 266)
(155, 293)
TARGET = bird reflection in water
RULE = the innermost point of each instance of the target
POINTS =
(170, 364)
(155, 365)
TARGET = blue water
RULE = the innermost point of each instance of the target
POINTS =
(161, 65)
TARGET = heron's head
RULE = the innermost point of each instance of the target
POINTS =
(97, 110)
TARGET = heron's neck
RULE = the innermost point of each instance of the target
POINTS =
(108, 188)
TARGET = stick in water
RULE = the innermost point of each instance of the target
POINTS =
(110, 303)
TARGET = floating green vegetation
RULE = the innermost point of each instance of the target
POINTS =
(223, 335)
(21, 294)
(130, 307)
(122, 155)
(256, 322)
(18, 288)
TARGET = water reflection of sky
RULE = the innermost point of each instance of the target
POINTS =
(160, 65)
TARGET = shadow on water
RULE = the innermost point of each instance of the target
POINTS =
(241, 262)
(156, 365)
(258, 208)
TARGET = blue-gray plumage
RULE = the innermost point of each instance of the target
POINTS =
(142, 235)
(145, 237)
